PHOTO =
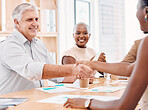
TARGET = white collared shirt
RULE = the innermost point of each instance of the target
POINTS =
(21, 63)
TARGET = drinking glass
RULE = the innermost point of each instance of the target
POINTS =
(107, 77)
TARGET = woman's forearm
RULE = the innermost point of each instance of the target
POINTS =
(121, 69)
(104, 105)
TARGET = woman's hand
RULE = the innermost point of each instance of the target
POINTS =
(102, 57)
(88, 63)
(75, 103)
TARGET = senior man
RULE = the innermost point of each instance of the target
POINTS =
(24, 59)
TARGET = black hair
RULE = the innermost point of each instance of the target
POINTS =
(144, 3)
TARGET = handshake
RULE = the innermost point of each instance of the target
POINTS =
(84, 69)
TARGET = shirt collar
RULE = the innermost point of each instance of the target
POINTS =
(22, 38)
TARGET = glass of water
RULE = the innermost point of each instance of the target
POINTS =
(107, 77)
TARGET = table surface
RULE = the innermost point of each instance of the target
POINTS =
(35, 95)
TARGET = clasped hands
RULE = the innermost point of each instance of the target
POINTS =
(83, 69)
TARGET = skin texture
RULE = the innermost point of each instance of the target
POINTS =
(28, 26)
(53, 71)
(137, 83)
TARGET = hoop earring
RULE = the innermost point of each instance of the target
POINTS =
(146, 18)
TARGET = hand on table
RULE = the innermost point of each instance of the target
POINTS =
(75, 103)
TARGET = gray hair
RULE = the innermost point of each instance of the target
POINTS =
(81, 23)
(20, 9)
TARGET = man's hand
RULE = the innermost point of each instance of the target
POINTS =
(75, 103)
(82, 71)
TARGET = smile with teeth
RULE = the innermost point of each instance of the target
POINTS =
(81, 40)
(33, 28)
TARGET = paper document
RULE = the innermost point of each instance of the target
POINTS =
(61, 99)
(120, 82)
(56, 89)
(104, 89)
(97, 75)
(76, 84)
(96, 57)
(11, 101)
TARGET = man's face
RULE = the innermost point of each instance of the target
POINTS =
(29, 24)
(81, 35)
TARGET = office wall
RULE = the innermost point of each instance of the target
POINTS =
(112, 29)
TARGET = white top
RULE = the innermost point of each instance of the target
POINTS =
(21, 63)
(80, 53)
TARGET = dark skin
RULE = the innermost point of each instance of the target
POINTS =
(68, 60)
(131, 96)
(81, 37)
(137, 71)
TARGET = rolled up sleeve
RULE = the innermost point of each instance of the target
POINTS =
(34, 70)
(16, 59)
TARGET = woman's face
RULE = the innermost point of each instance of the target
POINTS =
(81, 35)
(141, 12)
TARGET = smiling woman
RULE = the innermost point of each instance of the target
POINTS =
(81, 34)
(80, 51)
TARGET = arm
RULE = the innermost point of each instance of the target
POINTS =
(137, 84)
(23, 64)
(121, 69)
(68, 60)
(134, 91)
(102, 58)
(53, 71)
(71, 79)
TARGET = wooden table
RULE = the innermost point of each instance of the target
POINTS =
(34, 95)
